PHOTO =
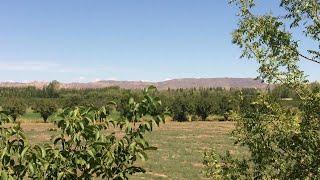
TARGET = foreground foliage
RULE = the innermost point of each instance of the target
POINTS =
(283, 142)
(86, 147)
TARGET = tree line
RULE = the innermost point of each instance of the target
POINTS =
(183, 104)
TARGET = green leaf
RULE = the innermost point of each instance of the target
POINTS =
(60, 175)
(4, 176)
(142, 155)
(131, 101)
(31, 169)
(89, 151)
(81, 125)
(24, 152)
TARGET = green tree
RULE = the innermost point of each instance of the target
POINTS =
(84, 149)
(52, 90)
(72, 101)
(204, 104)
(14, 107)
(225, 106)
(283, 143)
(182, 106)
(46, 108)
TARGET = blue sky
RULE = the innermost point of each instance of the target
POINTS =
(154, 40)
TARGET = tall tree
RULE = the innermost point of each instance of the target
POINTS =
(51, 90)
(283, 142)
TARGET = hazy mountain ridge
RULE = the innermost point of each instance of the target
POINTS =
(184, 83)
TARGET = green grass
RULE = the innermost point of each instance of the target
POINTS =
(180, 146)
(31, 116)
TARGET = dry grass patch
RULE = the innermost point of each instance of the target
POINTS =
(180, 146)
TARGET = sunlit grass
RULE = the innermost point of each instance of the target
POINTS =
(180, 146)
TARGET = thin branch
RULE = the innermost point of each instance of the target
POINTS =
(305, 57)
(310, 59)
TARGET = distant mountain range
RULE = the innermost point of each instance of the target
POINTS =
(185, 83)
(172, 84)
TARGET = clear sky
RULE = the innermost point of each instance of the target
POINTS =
(84, 40)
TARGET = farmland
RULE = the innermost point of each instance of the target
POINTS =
(180, 146)
(144, 90)
(195, 121)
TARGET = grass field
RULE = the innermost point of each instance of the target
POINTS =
(180, 146)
